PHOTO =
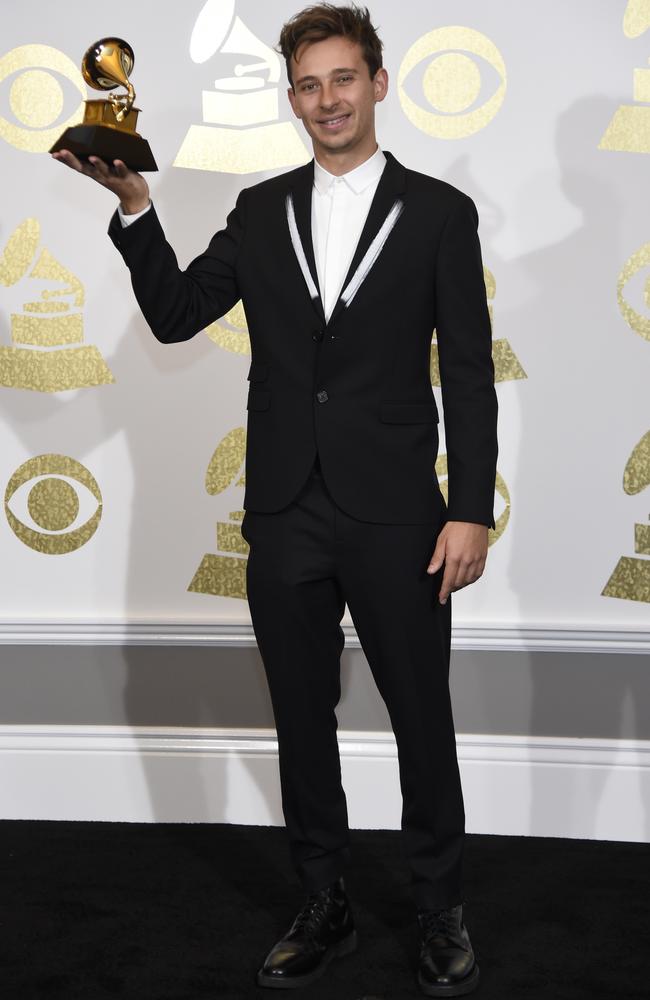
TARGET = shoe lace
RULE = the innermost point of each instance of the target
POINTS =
(313, 913)
(433, 922)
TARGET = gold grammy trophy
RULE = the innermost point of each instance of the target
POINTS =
(108, 127)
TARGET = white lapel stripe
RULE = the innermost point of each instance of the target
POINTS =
(372, 253)
(298, 248)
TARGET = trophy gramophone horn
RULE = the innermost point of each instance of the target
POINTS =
(108, 64)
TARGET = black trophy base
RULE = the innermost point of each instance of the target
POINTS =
(107, 143)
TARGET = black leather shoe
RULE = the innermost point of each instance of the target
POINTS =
(447, 964)
(323, 930)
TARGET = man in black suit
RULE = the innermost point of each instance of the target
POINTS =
(345, 266)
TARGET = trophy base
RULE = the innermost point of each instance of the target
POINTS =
(109, 144)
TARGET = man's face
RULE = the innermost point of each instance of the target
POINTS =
(334, 95)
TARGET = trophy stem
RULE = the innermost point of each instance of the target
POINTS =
(122, 105)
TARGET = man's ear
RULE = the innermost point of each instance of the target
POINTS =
(292, 101)
(381, 84)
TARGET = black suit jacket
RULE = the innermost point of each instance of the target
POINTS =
(358, 387)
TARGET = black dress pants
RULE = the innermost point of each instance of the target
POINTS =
(305, 562)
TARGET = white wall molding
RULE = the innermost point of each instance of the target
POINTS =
(556, 787)
(579, 638)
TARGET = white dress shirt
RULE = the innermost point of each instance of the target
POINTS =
(339, 208)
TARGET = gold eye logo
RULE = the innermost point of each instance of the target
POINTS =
(36, 97)
(452, 82)
(53, 504)
(633, 265)
(501, 522)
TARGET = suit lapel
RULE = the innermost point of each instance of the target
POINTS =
(389, 189)
(301, 191)
(385, 204)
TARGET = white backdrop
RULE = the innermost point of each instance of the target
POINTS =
(559, 219)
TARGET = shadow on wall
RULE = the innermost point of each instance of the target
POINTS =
(167, 684)
(569, 285)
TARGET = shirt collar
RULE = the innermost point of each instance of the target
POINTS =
(357, 179)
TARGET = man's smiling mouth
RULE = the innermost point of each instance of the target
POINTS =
(333, 122)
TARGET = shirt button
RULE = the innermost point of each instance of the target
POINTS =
(322, 396)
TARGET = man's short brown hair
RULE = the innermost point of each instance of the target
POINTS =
(324, 20)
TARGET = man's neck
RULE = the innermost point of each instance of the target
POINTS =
(342, 163)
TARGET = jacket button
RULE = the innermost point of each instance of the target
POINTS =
(322, 396)
(317, 335)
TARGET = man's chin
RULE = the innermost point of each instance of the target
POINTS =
(334, 143)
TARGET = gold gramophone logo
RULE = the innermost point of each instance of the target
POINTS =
(48, 353)
(39, 76)
(501, 489)
(53, 504)
(630, 580)
(629, 129)
(507, 366)
(452, 82)
(241, 132)
(223, 574)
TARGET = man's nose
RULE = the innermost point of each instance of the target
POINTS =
(328, 98)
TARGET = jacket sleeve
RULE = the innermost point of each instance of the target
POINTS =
(178, 304)
(464, 336)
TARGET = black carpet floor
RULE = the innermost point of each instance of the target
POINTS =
(187, 912)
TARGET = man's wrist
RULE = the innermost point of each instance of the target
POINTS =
(134, 207)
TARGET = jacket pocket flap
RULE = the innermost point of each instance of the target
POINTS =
(258, 399)
(258, 371)
(408, 413)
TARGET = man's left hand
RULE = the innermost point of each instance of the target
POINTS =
(462, 546)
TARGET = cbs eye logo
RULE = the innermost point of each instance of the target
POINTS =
(53, 504)
(639, 260)
(452, 82)
(36, 98)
